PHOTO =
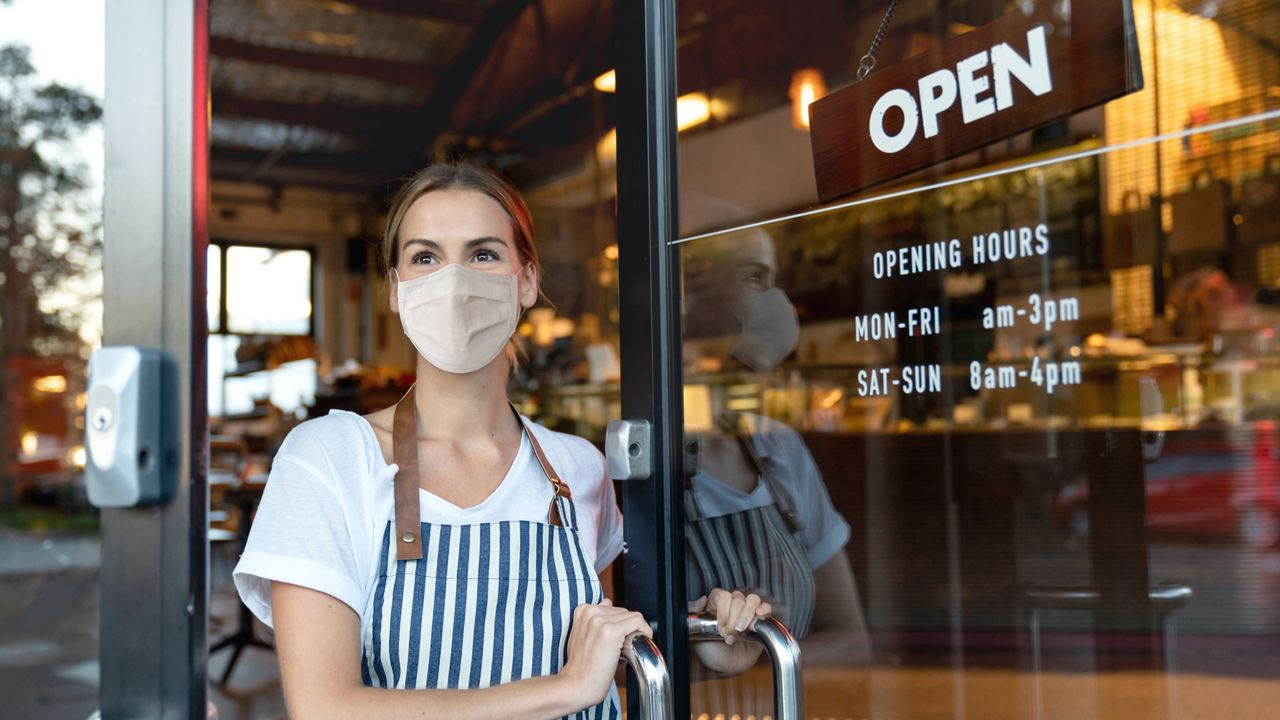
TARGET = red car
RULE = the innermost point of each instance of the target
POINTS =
(1202, 483)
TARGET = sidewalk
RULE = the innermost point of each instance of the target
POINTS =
(48, 625)
(49, 634)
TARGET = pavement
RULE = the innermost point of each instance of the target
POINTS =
(49, 634)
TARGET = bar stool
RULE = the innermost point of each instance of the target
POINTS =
(1163, 600)
(234, 489)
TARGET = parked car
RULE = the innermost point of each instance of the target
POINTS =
(1218, 483)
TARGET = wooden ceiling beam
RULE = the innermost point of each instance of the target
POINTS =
(418, 134)
(390, 71)
(451, 12)
(318, 170)
(359, 123)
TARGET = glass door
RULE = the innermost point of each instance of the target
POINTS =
(997, 438)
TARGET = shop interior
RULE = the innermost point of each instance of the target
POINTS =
(1164, 277)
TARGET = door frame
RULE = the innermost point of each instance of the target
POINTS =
(154, 568)
(154, 572)
(650, 327)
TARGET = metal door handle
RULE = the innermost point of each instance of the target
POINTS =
(784, 653)
(645, 660)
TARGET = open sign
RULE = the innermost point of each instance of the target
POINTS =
(939, 90)
(1028, 68)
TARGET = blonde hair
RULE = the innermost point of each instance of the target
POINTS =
(461, 175)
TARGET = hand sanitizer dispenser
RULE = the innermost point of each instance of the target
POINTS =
(131, 423)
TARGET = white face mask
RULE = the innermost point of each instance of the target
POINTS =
(770, 330)
(459, 319)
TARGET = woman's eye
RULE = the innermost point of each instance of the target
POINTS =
(486, 256)
(422, 258)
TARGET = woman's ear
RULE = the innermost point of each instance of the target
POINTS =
(528, 286)
(393, 297)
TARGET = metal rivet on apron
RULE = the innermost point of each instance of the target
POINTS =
(408, 537)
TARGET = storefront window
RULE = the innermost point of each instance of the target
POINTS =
(268, 290)
(264, 362)
(1001, 438)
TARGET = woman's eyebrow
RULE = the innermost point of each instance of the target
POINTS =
(475, 242)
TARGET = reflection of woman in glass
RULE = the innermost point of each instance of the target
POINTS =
(759, 516)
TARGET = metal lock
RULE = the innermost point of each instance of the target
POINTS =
(627, 452)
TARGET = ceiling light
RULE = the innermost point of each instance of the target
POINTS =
(50, 384)
(608, 82)
(692, 109)
(807, 85)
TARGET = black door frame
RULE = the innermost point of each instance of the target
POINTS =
(650, 330)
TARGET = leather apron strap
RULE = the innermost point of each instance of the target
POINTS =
(404, 451)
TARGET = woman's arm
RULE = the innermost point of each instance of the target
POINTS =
(318, 644)
(839, 634)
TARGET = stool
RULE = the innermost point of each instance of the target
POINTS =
(1162, 599)
(243, 636)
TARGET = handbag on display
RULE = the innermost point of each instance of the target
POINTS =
(1131, 233)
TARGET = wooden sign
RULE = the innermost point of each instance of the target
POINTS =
(1044, 60)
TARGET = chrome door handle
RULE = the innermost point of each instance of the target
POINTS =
(784, 653)
(645, 660)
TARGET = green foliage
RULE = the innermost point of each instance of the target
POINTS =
(49, 226)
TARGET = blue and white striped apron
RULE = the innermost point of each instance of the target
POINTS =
(483, 604)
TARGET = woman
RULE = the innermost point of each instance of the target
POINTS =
(445, 556)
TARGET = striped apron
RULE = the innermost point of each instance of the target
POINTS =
(471, 606)
(757, 550)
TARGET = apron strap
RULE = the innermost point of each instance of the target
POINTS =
(736, 423)
(404, 450)
(408, 510)
(692, 451)
(560, 489)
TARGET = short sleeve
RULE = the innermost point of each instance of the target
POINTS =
(302, 535)
(596, 504)
(825, 532)
(609, 539)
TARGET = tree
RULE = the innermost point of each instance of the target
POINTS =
(50, 232)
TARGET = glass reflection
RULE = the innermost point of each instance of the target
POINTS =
(758, 514)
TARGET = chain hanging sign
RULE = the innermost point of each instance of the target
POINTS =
(1044, 60)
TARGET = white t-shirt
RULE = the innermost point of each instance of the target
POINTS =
(330, 495)
(823, 531)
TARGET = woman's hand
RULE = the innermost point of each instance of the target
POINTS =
(596, 637)
(735, 612)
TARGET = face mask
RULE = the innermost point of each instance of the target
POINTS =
(770, 330)
(459, 319)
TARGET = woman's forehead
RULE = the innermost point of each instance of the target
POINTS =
(726, 252)
(446, 216)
